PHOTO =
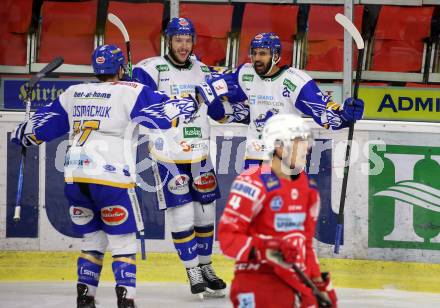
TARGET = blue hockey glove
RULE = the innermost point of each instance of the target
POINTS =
(20, 136)
(210, 91)
(353, 110)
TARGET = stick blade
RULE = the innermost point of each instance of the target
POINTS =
(119, 24)
(354, 32)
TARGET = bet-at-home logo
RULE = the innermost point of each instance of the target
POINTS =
(404, 199)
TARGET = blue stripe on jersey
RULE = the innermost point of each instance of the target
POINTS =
(140, 75)
(50, 122)
(312, 102)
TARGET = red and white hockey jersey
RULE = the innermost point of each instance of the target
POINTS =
(263, 205)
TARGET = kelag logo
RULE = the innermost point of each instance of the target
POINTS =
(404, 199)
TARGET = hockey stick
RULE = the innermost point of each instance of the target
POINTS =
(32, 82)
(351, 29)
(120, 25)
(275, 256)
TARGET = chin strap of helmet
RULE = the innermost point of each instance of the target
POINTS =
(273, 63)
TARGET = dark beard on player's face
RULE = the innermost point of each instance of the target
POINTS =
(174, 57)
(261, 68)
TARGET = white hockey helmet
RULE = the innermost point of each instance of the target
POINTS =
(284, 128)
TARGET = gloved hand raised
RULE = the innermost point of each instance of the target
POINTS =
(21, 136)
(210, 91)
(353, 109)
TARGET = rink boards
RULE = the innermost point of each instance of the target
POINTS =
(392, 207)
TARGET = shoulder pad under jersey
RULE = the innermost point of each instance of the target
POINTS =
(149, 61)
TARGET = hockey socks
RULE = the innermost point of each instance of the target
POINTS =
(186, 246)
(89, 270)
(124, 270)
(204, 238)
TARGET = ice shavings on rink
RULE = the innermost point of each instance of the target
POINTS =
(162, 295)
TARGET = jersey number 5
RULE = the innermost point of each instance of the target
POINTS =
(85, 128)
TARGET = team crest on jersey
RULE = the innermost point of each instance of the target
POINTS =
(80, 215)
(276, 203)
(114, 215)
(294, 194)
(205, 182)
(263, 117)
(178, 185)
(245, 189)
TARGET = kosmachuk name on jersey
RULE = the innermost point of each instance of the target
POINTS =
(92, 111)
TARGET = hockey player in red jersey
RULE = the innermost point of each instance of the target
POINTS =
(269, 223)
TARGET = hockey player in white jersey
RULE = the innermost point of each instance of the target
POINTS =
(99, 164)
(269, 89)
(182, 169)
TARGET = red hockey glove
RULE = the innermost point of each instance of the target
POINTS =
(326, 288)
(293, 248)
(261, 245)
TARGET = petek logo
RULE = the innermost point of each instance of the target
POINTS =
(404, 202)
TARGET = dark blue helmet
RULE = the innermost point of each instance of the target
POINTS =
(180, 26)
(267, 40)
(107, 59)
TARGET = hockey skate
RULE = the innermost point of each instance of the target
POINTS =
(215, 285)
(124, 302)
(196, 281)
(83, 300)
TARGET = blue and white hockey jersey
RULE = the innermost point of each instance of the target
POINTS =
(288, 91)
(189, 142)
(102, 120)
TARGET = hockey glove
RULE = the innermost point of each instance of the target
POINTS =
(21, 136)
(326, 288)
(353, 110)
(210, 91)
(292, 248)
(261, 246)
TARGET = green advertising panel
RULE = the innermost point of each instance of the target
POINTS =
(409, 104)
(404, 199)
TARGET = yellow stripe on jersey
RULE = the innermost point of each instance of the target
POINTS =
(185, 239)
(100, 182)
